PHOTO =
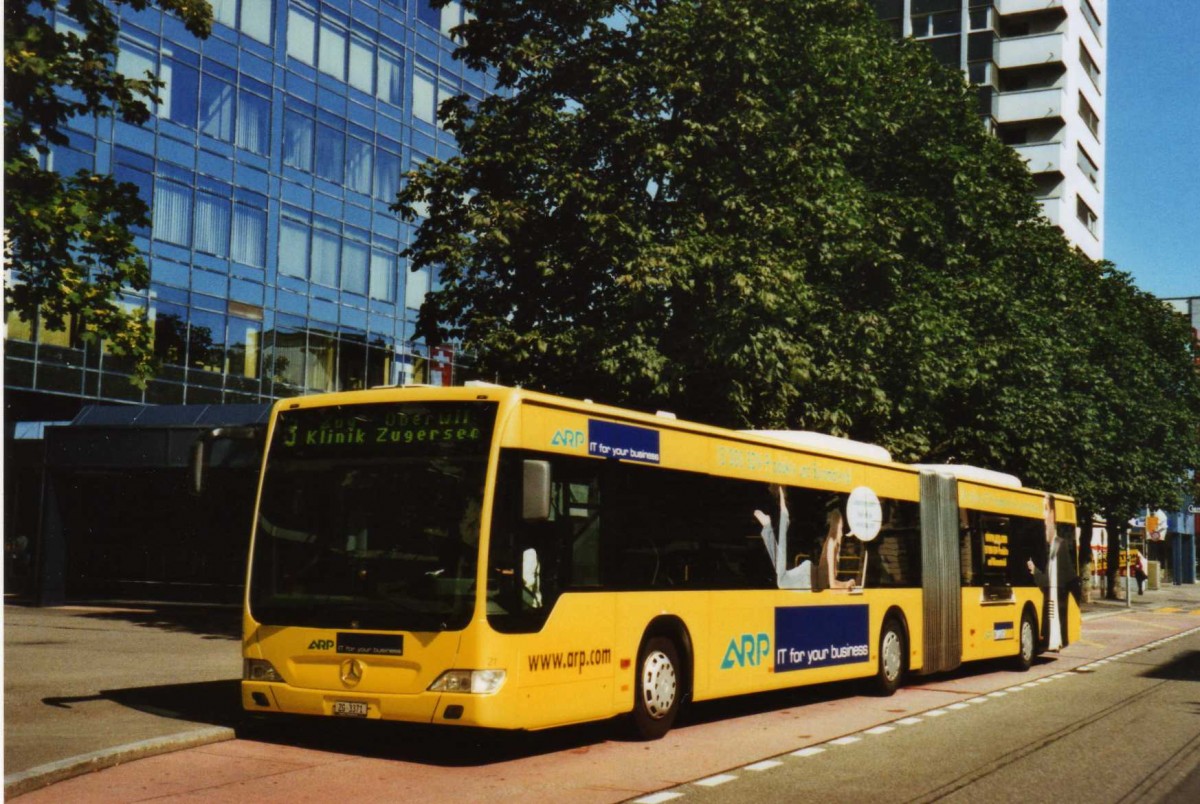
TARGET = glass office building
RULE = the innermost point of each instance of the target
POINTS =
(269, 165)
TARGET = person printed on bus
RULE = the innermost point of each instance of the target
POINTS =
(831, 553)
(1056, 581)
(766, 523)
(798, 577)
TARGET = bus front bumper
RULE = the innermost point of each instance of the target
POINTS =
(426, 707)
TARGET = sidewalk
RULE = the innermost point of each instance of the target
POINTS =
(87, 688)
(90, 687)
(1186, 596)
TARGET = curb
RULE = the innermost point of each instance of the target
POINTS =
(35, 778)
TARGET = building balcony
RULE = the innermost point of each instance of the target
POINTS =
(1052, 210)
(1006, 7)
(1037, 104)
(1043, 157)
(1027, 51)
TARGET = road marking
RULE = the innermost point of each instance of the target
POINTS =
(766, 764)
(977, 700)
(997, 694)
(959, 705)
(880, 730)
(811, 751)
(713, 781)
(935, 713)
(848, 740)
(909, 721)
(657, 798)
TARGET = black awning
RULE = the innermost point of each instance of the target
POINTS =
(114, 437)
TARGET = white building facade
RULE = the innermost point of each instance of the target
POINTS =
(1041, 67)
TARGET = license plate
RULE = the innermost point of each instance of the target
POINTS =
(350, 708)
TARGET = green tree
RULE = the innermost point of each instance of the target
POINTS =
(738, 210)
(1144, 369)
(68, 239)
(768, 213)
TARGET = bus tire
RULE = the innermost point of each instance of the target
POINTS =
(1026, 643)
(659, 690)
(891, 658)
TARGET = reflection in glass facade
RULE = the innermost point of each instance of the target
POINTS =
(269, 163)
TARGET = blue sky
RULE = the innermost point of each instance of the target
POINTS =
(1152, 153)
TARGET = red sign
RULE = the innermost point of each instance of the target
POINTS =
(441, 365)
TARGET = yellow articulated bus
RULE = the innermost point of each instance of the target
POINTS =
(494, 557)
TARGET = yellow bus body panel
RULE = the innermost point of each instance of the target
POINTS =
(581, 665)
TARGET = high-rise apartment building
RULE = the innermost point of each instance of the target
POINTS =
(269, 164)
(1039, 66)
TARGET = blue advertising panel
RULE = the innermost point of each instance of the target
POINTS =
(820, 636)
(622, 442)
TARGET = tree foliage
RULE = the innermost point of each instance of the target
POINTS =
(768, 214)
(68, 240)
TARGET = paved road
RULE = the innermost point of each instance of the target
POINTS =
(79, 680)
(1120, 729)
(324, 759)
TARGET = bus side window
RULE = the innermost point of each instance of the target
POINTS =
(894, 556)
(993, 534)
(967, 554)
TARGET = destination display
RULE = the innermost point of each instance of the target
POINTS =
(409, 428)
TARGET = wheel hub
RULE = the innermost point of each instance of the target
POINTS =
(658, 684)
(891, 655)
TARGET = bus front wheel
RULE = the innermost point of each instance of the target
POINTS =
(891, 658)
(658, 688)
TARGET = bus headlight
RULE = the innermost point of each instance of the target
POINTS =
(259, 670)
(479, 682)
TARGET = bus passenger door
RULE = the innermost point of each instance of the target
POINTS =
(940, 573)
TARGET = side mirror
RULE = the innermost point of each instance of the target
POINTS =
(197, 465)
(535, 491)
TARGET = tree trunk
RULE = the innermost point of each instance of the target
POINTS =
(1116, 542)
(1083, 516)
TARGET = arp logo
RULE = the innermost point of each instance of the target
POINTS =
(570, 439)
(747, 650)
(320, 644)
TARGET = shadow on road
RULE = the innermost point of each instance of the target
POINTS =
(216, 703)
(1185, 668)
(447, 746)
(210, 623)
(452, 746)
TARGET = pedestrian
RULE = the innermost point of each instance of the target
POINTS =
(1139, 571)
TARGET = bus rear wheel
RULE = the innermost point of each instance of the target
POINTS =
(658, 688)
(891, 658)
(1027, 646)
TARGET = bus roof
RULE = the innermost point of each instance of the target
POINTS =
(798, 441)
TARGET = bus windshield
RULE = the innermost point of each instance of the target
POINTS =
(369, 516)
